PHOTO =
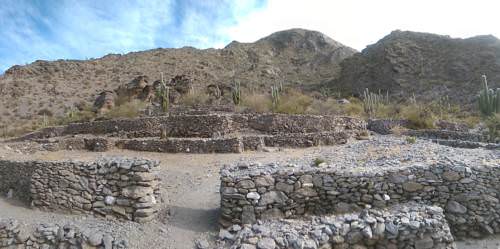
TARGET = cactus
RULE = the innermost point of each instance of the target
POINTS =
(373, 101)
(275, 95)
(236, 93)
(489, 99)
(163, 94)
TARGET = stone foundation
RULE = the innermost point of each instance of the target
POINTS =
(172, 145)
(54, 236)
(412, 226)
(468, 193)
(121, 188)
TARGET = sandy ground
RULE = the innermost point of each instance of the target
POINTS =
(190, 185)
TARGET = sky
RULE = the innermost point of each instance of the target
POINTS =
(81, 29)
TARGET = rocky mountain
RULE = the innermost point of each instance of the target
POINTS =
(295, 57)
(427, 65)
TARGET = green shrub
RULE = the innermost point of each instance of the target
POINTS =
(411, 140)
(318, 161)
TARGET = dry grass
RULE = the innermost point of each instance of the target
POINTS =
(194, 98)
(294, 102)
(259, 103)
(130, 109)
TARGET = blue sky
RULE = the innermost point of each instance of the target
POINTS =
(79, 29)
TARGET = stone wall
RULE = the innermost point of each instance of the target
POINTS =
(173, 145)
(205, 126)
(122, 188)
(15, 179)
(468, 193)
(412, 226)
(54, 236)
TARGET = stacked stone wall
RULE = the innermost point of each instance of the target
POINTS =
(12, 235)
(469, 194)
(116, 187)
(412, 226)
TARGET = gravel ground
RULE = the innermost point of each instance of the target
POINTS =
(190, 184)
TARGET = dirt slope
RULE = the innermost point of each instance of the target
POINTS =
(294, 56)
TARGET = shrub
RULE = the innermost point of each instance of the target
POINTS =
(418, 117)
(294, 102)
(130, 109)
(493, 125)
(259, 103)
(318, 161)
(194, 98)
(411, 140)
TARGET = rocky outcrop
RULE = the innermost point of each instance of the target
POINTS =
(427, 65)
(105, 102)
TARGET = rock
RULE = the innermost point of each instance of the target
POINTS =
(136, 192)
(264, 181)
(95, 239)
(455, 207)
(247, 246)
(253, 196)
(202, 244)
(451, 176)
(248, 215)
(10, 194)
(425, 243)
(109, 200)
(107, 241)
(412, 186)
(266, 243)
(225, 235)
(273, 197)
(245, 184)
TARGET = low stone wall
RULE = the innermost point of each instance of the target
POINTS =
(54, 236)
(468, 193)
(412, 226)
(175, 126)
(122, 188)
(15, 179)
(204, 126)
(467, 144)
(448, 135)
(273, 123)
(173, 145)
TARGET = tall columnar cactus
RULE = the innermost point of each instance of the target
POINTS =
(275, 95)
(373, 101)
(163, 94)
(489, 99)
(236, 93)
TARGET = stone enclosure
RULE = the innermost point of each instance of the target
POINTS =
(115, 187)
(207, 133)
(308, 194)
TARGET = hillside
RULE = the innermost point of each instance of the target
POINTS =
(296, 57)
(427, 65)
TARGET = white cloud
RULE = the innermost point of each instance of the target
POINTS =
(358, 23)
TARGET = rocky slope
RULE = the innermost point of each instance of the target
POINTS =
(427, 65)
(293, 56)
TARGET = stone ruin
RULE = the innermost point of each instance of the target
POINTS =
(411, 205)
(112, 187)
(206, 133)
(119, 188)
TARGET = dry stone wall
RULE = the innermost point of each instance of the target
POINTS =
(469, 194)
(12, 235)
(15, 179)
(405, 226)
(173, 145)
(205, 126)
(116, 187)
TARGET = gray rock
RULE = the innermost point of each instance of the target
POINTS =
(455, 207)
(266, 243)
